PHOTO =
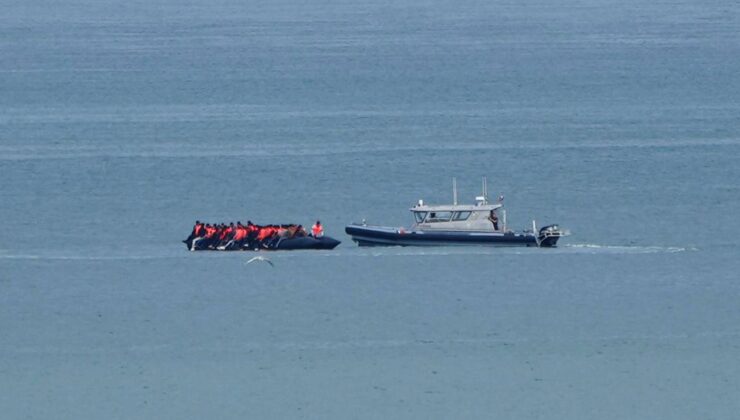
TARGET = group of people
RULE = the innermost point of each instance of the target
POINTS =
(223, 237)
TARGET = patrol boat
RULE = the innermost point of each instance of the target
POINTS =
(457, 224)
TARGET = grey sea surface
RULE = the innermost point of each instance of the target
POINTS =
(122, 123)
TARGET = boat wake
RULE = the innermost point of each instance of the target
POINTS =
(625, 249)
(397, 251)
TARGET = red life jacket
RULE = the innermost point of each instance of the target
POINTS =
(210, 231)
(265, 233)
(240, 234)
(317, 230)
(261, 233)
(198, 229)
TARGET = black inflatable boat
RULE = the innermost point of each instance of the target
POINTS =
(286, 244)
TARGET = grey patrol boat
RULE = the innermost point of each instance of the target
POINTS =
(482, 223)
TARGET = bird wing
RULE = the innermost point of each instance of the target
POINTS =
(260, 258)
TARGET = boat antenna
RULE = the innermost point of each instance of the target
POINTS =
(454, 190)
(485, 189)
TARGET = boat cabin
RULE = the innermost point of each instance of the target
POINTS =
(481, 217)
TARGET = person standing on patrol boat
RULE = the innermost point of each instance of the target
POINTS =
(494, 219)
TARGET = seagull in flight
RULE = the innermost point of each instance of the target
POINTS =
(260, 258)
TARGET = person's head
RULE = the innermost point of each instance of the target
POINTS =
(197, 222)
(318, 223)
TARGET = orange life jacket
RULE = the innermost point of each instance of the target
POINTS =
(264, 233)
(225, 233)
(317, 230)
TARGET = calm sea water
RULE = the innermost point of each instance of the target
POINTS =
(122, 123)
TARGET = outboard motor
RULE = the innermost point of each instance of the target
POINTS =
(548, 235)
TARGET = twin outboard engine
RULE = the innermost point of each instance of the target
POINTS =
(548, 235)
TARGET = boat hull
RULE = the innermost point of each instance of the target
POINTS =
(385, 236)
(306, 242)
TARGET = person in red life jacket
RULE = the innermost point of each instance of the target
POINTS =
(317, 230)
(198, 231)
(252, 231)
(278, 233)
(223, 235)
(217, 229)
(272, 237)
(216, 238)
(264, 233)
(207, 233)
(236, 237)
(240, 236)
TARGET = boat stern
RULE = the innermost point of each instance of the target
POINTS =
(548, 236)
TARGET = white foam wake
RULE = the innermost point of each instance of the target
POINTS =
(627, 249)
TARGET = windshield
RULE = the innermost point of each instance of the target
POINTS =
(439, 216)
(461, 215)
(419, 216)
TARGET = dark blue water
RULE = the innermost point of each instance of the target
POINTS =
(120, 124)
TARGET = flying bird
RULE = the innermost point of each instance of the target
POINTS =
(260, 259)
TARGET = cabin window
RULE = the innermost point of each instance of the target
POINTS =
(419, 215)
(439, 216)
(461, 215)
